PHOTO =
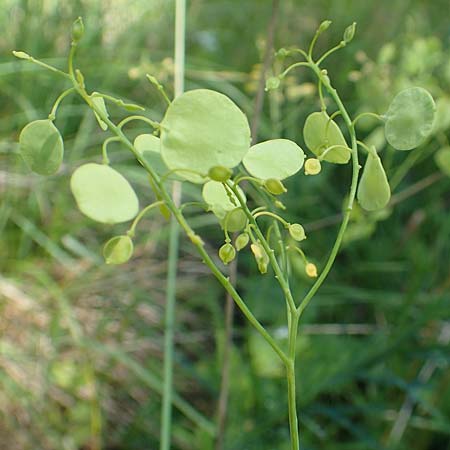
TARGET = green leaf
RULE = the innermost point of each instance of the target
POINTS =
(203, 129)
(373, 190)
(149, 147)
(41, 147)
(442, 158)
(409, 119)
(118, 250)
(320, 133)
(103, 194)
(219, 199)
(99, 102)
(277, 159)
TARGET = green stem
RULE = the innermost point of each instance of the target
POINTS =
(132, 229)
(105, 148)
(366, 114)
(52, 115)
(329, 52)
(152, 123)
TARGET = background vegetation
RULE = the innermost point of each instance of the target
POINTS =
(80, 342)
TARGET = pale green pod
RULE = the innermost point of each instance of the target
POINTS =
(373, 189)
(235, 220)
(321, 133)
(227, 253)
(220, 173)
(277, 159)
(219, 199)
(118, 250)
(103, 194)
(274, 186)
(241, 241)
(203, 129)
(149, 147)
(409, 119)
(297, 232)
(41, 147)
(442, 158)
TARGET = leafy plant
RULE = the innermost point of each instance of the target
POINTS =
(204, 139)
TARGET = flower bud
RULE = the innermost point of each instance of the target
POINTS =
(274, 186)
(77, 30)
(21, 55)
(272, 83)
(282, 53)
(220, 173)
(311, 270)
(261, 257)
(241, 241)
(349, 32)
(324, 26)
(227, 253)
(297, 232)
(312, 166)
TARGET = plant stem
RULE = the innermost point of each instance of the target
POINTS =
(174, 239)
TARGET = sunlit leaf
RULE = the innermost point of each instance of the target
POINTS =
(203, 129)
(149, 147)
(41, 147)
(103, 194)
(219, 199)
(277, 159)
(409, 119)
(321, 133)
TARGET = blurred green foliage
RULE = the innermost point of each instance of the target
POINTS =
(80, 342)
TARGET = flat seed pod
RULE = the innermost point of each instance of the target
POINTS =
(409, 119)
(235, 220)
(321, 133)
(149, 147)
(118, 250)
(41, 147)
(373, 189)
(103, 194)
(203, 129)
(277, 159)
(442, 158)
(219, 199)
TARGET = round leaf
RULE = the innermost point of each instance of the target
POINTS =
(41, 147)
(203, 129)
(442, 158)
(118, 250)
(373, 190)
(277, 159)
(149, 147)
(321, 133)
(219, 199)
(409, 119)
(103, 194)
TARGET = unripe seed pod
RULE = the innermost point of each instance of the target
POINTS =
(297, 232)
(241, 241)
(262, 259)
(274, 186)
(227, 253)
(118, 250)
(311, 270)
(77, 30)
(272, 83)
(235, 220)
(312, 166)
(220, 173)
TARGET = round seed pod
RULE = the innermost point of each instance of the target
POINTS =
(373, 189)
(312, 166)
(220, 173)
(41, 147)
(311, 270)
(103, 194)
(227, 253)
(275, 187)
(320, 133)
(409, 119)
(118, 250)
(297, 232)
(241, 241)
(203, 129)
(235, 220)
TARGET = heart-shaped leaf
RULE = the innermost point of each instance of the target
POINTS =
(373, 190)
(277, 159)
(41, 147)
(103, 194)
(409, 119)
(203, 129)
(320, 133)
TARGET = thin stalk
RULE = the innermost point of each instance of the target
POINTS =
(174, 239)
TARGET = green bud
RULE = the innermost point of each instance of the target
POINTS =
(349, 32)
(282, 53)
(21, 55)
(272, 83)
(227, 253)
(241, 241)
(220, 173)
(312, 166)
(118, 250)
(274, 186)
(297, 232)
(324, 26)
(77, 30)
